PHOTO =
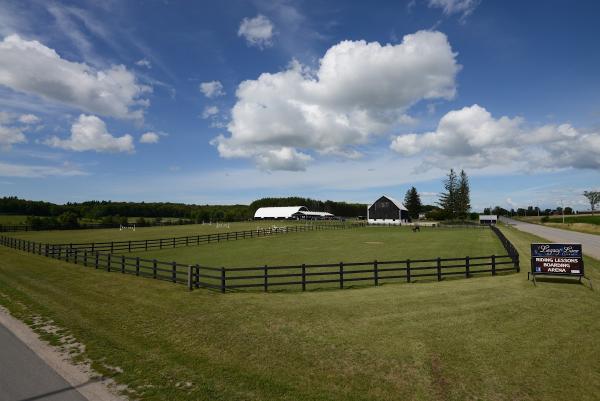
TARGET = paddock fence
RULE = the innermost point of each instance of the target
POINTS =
(268, 278)
(201, 239)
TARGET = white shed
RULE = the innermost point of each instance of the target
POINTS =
(488, 219)
(284, 212)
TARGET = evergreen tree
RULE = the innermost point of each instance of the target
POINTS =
(448, 199)
(463, 197)
(412, 201)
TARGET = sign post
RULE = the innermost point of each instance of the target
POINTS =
(557, 260)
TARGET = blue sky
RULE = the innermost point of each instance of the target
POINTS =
(226, 102)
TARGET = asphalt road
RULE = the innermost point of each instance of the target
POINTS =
(26, 377)
(590, 242)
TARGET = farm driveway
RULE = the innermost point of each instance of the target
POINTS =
(590, 242)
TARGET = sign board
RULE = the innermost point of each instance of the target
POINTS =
(557, 260)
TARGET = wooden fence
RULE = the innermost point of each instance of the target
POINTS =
(192, 240)
(296, 277)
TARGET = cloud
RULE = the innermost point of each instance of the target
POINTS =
(37, 171)
(149, 137)
(144, 63)
(212, 89)
(257, 31)
(29, 119)
(10, 136)
(32, 68)
(472, 137)
(210, 111)
(89, 133)
(359, 91)
(283, 159)
(450, 7)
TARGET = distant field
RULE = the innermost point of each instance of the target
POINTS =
(12, 219)
(114, 234)
(577, 219)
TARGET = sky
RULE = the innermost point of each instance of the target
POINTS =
(227, 102)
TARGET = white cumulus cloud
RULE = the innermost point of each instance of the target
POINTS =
(360, 90)
(29, 119)
(144, 63)
(212, 89)
(38, 171)
(210, 111)
(10, 136)
(149, 137)
(257, 31)
(449, 7)
(90, 133)
(472, 137)
(29, 66)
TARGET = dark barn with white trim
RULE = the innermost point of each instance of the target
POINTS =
(387, 210)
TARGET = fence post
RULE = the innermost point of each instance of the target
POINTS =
(174, 271)
(197, 276)
(137, 266)
(146, 245)
(46, 250)
(467, 267)
(112, 246)
(223, 284)
(122, 263)
(439, 269)
(517, 264)
(153, 268)
(85, 257)
(376, 272)
(68, 252)
(493, 265)
(341, 275)
(408, 270)
(129, 246)
(108, 264)
(173, 242)
(303, 277)
(160, 247)
(96, 262)
(266, 278)
(93, 245)
(189, 277)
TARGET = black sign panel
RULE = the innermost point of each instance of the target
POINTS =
(557, 259)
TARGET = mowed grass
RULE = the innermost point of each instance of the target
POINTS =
(115, 234)
(490, 338)
(364, 245)
(351, 245)
(12, 219)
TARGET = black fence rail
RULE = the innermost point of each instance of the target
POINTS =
(192, 240)
(295, 277)
(510, 248)
(88, 226)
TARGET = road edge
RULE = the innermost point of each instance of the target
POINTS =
(76, 375)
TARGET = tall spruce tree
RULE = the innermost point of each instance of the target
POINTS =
(463, 196)
(412, 201)
(448, 199)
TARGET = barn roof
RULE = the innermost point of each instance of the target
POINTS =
(316, 214)
(278, 212)
(398, 204)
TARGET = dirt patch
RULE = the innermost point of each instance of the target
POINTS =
(440, 384)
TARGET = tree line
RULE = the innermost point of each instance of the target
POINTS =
(108, 212)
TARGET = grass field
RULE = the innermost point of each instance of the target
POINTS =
(490, 338)
(12, 219)
(114, 234)
(584, 224)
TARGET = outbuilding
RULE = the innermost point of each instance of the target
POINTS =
(488, 219)
(283, 212)
(290, 212)
(387, 210)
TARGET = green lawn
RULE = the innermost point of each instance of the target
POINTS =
(114, 234)
(490, 338)
(577, 219)
(12, 219)
(581, 223)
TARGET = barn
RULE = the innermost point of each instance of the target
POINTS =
(290, 212)
(387, 210)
